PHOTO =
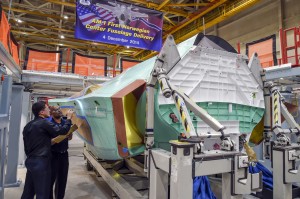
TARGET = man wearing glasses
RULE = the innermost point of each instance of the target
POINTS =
(60, 157)
(37, 135)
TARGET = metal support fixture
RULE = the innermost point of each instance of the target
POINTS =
(9, 62)
(285, 172)
(181, 166)
(5, 95)
(181, 180)
(284, 154)
(4, 123)
(160, 170)
(59, 78)
(277, 109)
(115, 180)
(166, 59)
(13, 137)
(25, 116)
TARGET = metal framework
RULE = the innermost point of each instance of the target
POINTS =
(52, 18)
(8, 61)
(57, 84)
(129, 186)
(4, 124)
(213, 15)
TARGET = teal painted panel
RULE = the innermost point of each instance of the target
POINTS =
(140, 71)
(99, 114)
(165, 130)
(247, 116)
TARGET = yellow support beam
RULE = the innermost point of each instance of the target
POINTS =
(170, 21)
(34, 38)
(213, 18)
(190, 19)
(164, 3)
(36, 13)
(155, 6)
(187, 4)
(62, 3)
(114, 49)
(150, 5)
(228, 11)
(55, 37)
(149, 55)
(54, 43)
(47, 27)
(87, 48)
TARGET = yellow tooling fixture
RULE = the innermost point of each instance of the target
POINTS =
(275, 109)
(133, 135)
(180, 105)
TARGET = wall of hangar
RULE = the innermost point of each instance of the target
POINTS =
(263, 19)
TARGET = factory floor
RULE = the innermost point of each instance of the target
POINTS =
(81, 183)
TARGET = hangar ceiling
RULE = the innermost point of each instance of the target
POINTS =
(51, 23)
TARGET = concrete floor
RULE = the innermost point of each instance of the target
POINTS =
(81, 183)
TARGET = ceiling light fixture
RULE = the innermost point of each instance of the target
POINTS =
(62, 37)
(60, 44)
(66, 17)
(127, 47)
(19, 20)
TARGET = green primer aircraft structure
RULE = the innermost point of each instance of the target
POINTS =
(112, 116)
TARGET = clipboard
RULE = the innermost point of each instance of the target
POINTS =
(60, 138)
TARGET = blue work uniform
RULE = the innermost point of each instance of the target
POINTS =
(37, 135)
(59, 165)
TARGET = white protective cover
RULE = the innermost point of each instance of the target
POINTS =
(208, 74)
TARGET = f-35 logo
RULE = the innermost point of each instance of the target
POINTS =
(85, 2)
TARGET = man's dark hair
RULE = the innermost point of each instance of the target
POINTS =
(37, 107)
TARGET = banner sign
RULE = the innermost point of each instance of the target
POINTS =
(119, 23)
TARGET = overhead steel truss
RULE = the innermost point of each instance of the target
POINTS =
(47, 19)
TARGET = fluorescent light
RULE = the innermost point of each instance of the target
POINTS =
(62, 37)
(66, 17)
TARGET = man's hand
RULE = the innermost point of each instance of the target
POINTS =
(52, 142)
(70, 137)
(70, 114)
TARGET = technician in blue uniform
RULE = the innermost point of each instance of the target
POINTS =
(60, 157)
(37, 135)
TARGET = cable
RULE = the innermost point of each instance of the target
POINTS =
(9, 10)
